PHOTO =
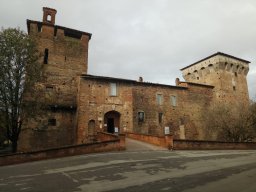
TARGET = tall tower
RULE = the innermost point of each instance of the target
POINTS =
(226, 73)
(64, 56)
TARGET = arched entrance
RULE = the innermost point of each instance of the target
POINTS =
(112, 121)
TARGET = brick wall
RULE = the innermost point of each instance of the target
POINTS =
(162, 141)
(205, 145)
(115, 144)
(94, 101)
(191, 101)
(57, 91)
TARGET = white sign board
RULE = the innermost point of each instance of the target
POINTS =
(167, 130)
(116, 129)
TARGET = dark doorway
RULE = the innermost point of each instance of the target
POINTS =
(112, 121)
(111, 125)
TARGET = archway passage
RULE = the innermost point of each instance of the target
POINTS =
(112, 120)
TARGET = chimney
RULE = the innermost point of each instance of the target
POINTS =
(177, 81)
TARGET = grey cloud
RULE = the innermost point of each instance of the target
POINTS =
(150, 38)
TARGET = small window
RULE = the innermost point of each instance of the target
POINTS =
(49, 18)
(49, 88)
(182, 121)
(232, 67)
(159, 98)
(173, 100)
(113, 91)
(236, 74)
(39, 27)
(234, 88)
(91, 128)
(160, 117)
(141, 116)
(46, 52)
(210, 67)
(226, 64)
(52, 122)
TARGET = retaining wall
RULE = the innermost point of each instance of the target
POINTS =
(162, 141)
(205, 145)
(108, 143)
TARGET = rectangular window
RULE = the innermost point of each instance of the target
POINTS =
(159, 98)
(46, 56)
(141, 116)
(182, 120)
(52, 122)
(113, 91)
(173, 100)
(49, 88)
(39, 27)
(160, 117)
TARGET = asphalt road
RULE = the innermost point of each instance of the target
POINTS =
(143, 169)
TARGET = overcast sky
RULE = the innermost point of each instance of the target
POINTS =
(150, 38)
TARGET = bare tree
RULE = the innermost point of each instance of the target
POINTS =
(19, 71)
(231, 123)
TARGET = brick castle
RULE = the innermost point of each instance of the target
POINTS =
(77, 104)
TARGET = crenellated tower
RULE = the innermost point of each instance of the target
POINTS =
(63, 54)
(225, 72)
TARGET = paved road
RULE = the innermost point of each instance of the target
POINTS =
(141, 170)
